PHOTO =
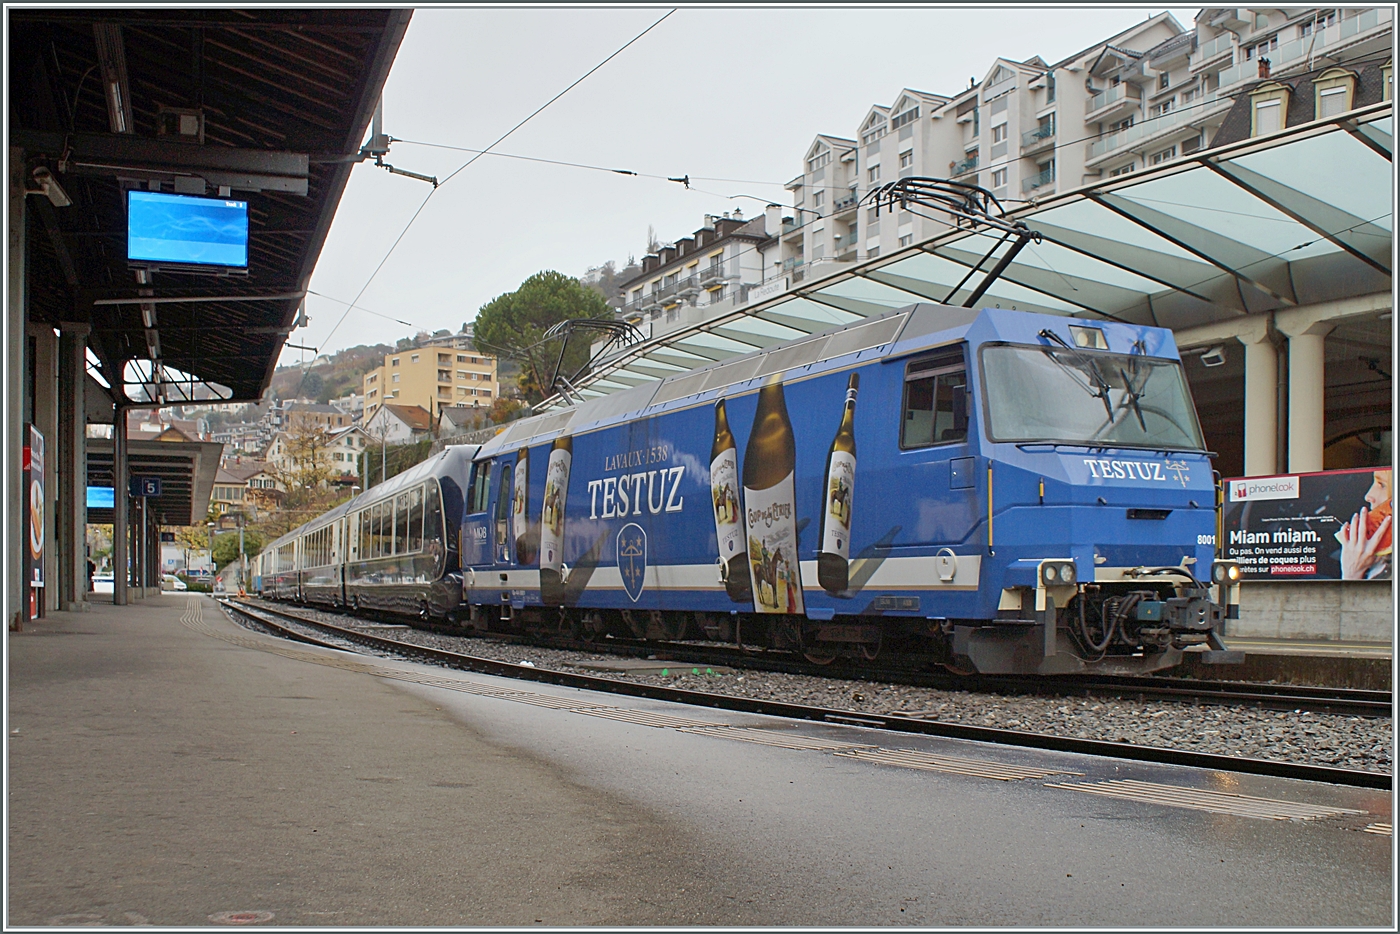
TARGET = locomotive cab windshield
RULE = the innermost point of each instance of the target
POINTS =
(1065, 394)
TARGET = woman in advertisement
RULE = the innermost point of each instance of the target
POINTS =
(1366, 539)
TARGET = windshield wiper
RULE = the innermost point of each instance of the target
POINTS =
(1091, 367)
(1133, 395)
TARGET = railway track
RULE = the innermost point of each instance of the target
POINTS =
(276, 618)
(1346, 701)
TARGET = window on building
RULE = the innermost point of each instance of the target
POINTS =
(463, 374)
(999, 133)
(819, 161)
(395, 361)
(373, 393)
(909, 116)
(444, 359)
(1268, 117)
(906, 159)
(872, 215)
(906, 240)
(1165, 155)
(872, 251)
(1050, 88)
(1162, 107)
(396, 377)
(413, 358)
(999, 178)
(872, 174)
(1331, 102)
(461, 358)
(976, 121)
(1189, 95)
(1122, 170)
(1164, 81)
(818, 198)
(373, 377)
(1122, 125)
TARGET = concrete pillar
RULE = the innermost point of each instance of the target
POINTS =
(1306, 382)
(1260, 405)
(120, 501)
(13, 469)
(45, 364)
(70, 461)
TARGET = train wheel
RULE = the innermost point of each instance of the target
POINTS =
(740, 624)
(568, 625)
(871, 650)
(592, 627)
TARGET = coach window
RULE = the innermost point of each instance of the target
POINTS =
(935, 401)
(432, 514)
(415, 520)
(403, 515)
(378, 526)
(503, 516)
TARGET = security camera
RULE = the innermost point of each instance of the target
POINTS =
(49, 188)
(1215, 356)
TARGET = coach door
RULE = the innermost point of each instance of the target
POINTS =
(936, 462)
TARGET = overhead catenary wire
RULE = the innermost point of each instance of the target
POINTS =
(502, 138)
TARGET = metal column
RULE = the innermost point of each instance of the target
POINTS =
(72, 466)
(16, 300)
(120, 501)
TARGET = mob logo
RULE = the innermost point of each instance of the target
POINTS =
(632, 559)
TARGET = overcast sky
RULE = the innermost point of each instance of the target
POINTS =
(730, 97)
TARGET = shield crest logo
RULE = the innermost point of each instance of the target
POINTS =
(632, 559)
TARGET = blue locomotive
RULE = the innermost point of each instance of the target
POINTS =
(997, 491)
(1008, 492)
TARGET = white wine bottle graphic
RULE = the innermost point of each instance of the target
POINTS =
(833, 561)
(520, 508)
(556, 492)
(729, 522)
(770, 506)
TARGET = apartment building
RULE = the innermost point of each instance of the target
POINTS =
(718, 268)
(432, 377)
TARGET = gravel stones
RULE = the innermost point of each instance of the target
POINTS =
(1337, 740)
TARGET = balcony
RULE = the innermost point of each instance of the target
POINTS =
(1168, 124)
(964, 167)
(845, 204)
(688, 287)
(1041, 136)
(1217, 51)
(791, 227)
(712, 276)
(1106, 104)
(1038, 180)
(791, 263)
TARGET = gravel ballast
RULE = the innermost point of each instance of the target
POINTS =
(1351, 742)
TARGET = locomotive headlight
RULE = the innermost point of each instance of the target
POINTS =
(1057, 573)
(1226, 572)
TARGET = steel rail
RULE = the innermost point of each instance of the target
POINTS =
(893, 722)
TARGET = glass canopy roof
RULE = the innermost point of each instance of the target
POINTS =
(1299, 218)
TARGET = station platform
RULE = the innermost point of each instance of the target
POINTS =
(1361, 665)
(169, 767)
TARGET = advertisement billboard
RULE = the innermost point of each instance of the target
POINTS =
(34, 520)
(1332, 525)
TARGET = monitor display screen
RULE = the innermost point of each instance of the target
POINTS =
(186, 230)
(100, 497)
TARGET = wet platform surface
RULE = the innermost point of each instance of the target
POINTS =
(171, 767)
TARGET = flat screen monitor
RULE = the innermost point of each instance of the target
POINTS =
(100, 497)
(184, 230)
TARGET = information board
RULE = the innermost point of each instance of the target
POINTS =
(1332, 525)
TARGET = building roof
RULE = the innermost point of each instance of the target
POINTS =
(228, 478)
(246, 470)
(1302, 102)
(459, 416)
(415, 417)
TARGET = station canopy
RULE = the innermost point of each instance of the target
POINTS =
(264, 105)
(1300, 217)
